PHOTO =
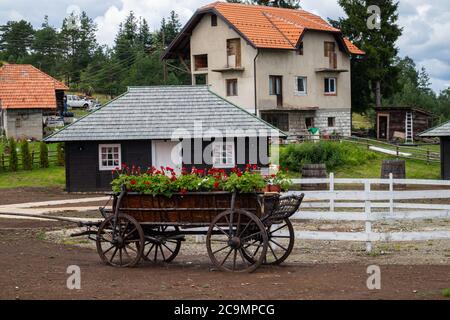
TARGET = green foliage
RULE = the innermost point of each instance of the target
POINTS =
(13, 157)
(446, 292)
(60, 154)
(27, 161)
(165, 182)
(43, 155)
(333, 154)
(15, 40)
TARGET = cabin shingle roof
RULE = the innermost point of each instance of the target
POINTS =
(442, 130)
(158, 112)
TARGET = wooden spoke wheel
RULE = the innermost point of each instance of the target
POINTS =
(231, 236)
(161, 247)
(281, 238)
(120, 242)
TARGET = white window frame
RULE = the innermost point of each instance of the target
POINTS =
(335, 86)
(100, 160)
(218, 163)
(305, 85)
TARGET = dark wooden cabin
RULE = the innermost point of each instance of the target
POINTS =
(401, 123)
(175, 126)
(443, 132)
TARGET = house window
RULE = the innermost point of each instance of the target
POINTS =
(276, 88)
(201, 62)
(223, 154)
(302, 85)
(232, 87)
(213, 20)
(330, 86)
(331, 122)
(234, 53)
(300, 49)
(279, 120)
(309, 122)
(109, 156)
(329, 48)
(200, 79)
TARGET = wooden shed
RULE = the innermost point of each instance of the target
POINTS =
(401, 123)
(443, 132)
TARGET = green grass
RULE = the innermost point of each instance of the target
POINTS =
(49, 177)
(372, 168)
(446, 292)
(360, 121)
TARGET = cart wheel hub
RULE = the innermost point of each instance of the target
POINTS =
(234, 242)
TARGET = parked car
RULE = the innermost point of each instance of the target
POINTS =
(94, 106)
(74, 101)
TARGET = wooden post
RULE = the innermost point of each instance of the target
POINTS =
(428, 156)
(397, 149)
(391, 190)
(3, 162)
(331, 191)
(32, 159)
(368, 210)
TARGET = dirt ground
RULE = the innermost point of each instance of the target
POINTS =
(34, 261)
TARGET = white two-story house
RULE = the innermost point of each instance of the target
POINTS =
(290, 67)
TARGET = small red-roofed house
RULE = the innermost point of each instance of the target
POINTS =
(26, 94)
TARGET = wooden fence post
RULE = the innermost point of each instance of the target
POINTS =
(368, 210)
(331, 190)
(391, 189)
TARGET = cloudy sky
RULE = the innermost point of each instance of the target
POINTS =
(426, 23)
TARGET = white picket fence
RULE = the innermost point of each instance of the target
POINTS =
(326, 202)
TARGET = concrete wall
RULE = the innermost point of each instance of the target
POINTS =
(23, 123)
(210, 40)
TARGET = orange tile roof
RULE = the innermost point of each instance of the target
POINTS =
(23, 86)
(270, 27)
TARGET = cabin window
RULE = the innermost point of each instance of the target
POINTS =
(109, 156)
(279, 120)
(309, 122)
(302, 85)
(234, 53)
(213, 20)
(329, 48)
(330, 86)
(331, 122)
(201, 62)
(223, 154)
(232, 87)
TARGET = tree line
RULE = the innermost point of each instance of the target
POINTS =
(72, 53)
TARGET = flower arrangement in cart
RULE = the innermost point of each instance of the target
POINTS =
(165, 181)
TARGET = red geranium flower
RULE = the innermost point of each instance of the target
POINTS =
(133, 182)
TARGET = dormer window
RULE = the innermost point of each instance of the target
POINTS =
(300, 49)
(213, 20)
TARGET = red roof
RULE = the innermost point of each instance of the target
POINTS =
(268, 27)
(23, 86)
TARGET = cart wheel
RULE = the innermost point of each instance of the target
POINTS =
(165, 249)
(120, 243)
(230, 235)
(281, 242)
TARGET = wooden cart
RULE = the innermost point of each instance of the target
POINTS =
(242, 231)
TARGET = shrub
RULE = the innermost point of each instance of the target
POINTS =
(13, 158)
(43, 155)
(60, 160)
(27, 162)
(333, 154)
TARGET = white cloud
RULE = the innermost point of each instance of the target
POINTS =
(152, 10)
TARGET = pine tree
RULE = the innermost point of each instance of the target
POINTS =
(43, 155)
(27, 162)
(46, 52)
(16, 38)
(13, 158)
(375, 75)
(60, 154)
